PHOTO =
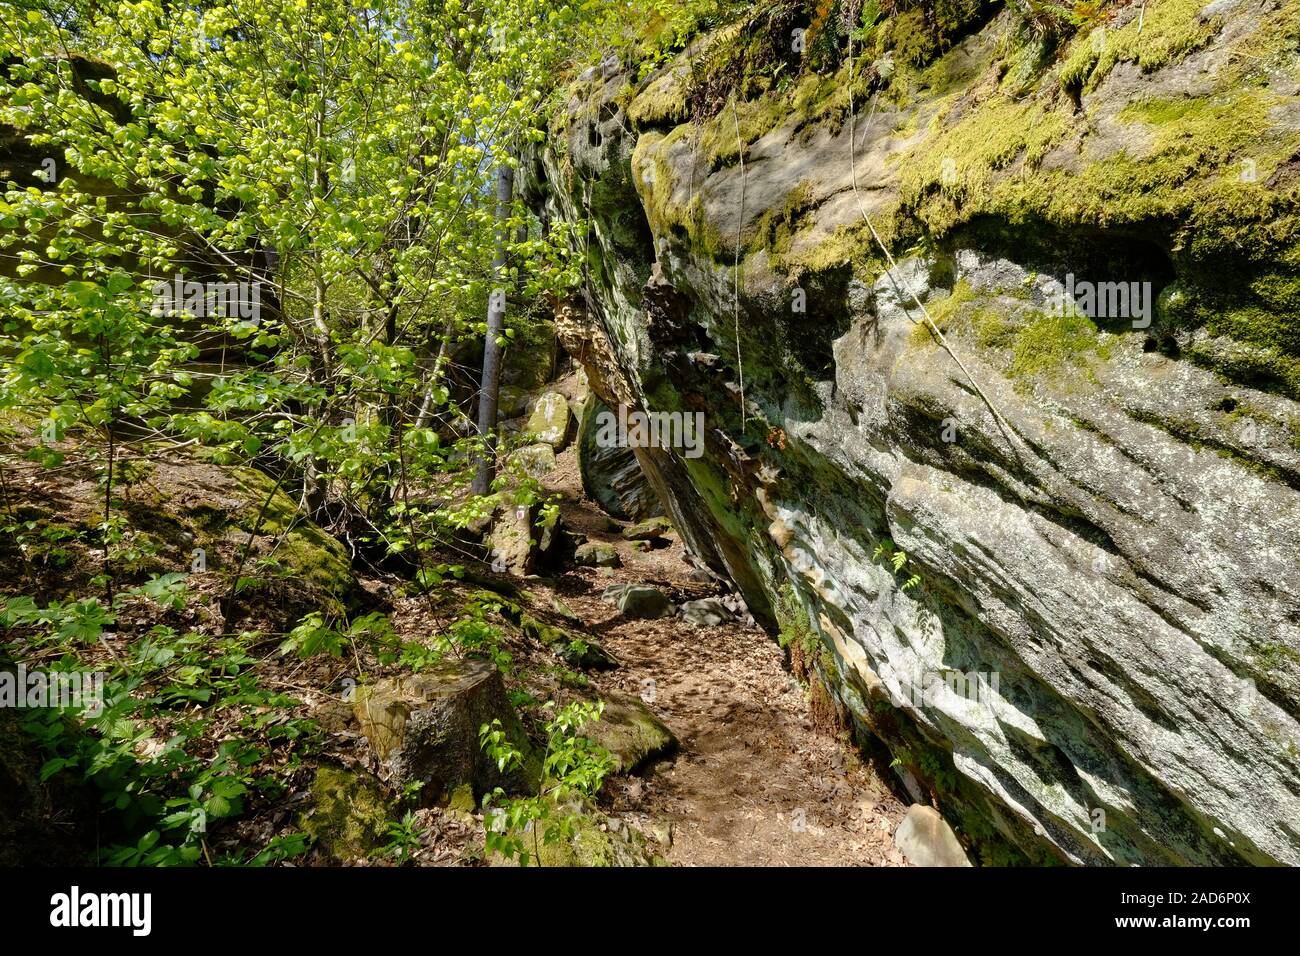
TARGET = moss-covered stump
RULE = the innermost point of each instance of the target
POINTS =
(631, 732)
(424, 728)
(348, 814)
(599, 841)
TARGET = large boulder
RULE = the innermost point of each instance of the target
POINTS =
(520, 540)
(187, 512)
(596, 554)
(511, 402)
(424, 728)
(649, 530)
(706, 612)
(534, 460)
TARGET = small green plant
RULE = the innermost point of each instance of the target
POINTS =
(280, 848)
(169, 590)
(405, 837)
(313, 636)
(411, 791)
(473, 635)
(573, 769)
(897, 559)
(419, 656)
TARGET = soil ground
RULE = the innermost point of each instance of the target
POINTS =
(754, 781)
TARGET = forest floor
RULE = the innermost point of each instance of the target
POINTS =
(755, 781)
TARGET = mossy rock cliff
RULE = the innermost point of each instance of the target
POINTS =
(921, 432)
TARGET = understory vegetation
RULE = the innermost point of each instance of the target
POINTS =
(246, 251)
(252, 255)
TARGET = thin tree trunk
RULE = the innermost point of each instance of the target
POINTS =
(426, 403)
(315, 486)
(487, 396)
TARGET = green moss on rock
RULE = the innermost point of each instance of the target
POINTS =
(1166, 31)
(348, 815)
(592, 844)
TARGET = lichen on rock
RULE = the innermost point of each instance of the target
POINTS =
(1099, 508)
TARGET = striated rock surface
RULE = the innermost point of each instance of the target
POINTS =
(1050, 552)
(611, 475)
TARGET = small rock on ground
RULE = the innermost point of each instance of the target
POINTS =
(637, 600)
(596, 554)
(925, 838)
(706, 612)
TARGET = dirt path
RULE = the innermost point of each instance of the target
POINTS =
(754, 783)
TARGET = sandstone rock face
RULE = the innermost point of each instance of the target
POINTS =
(425, 728)
(612, 476)
(1053, 554)
(925, 838)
